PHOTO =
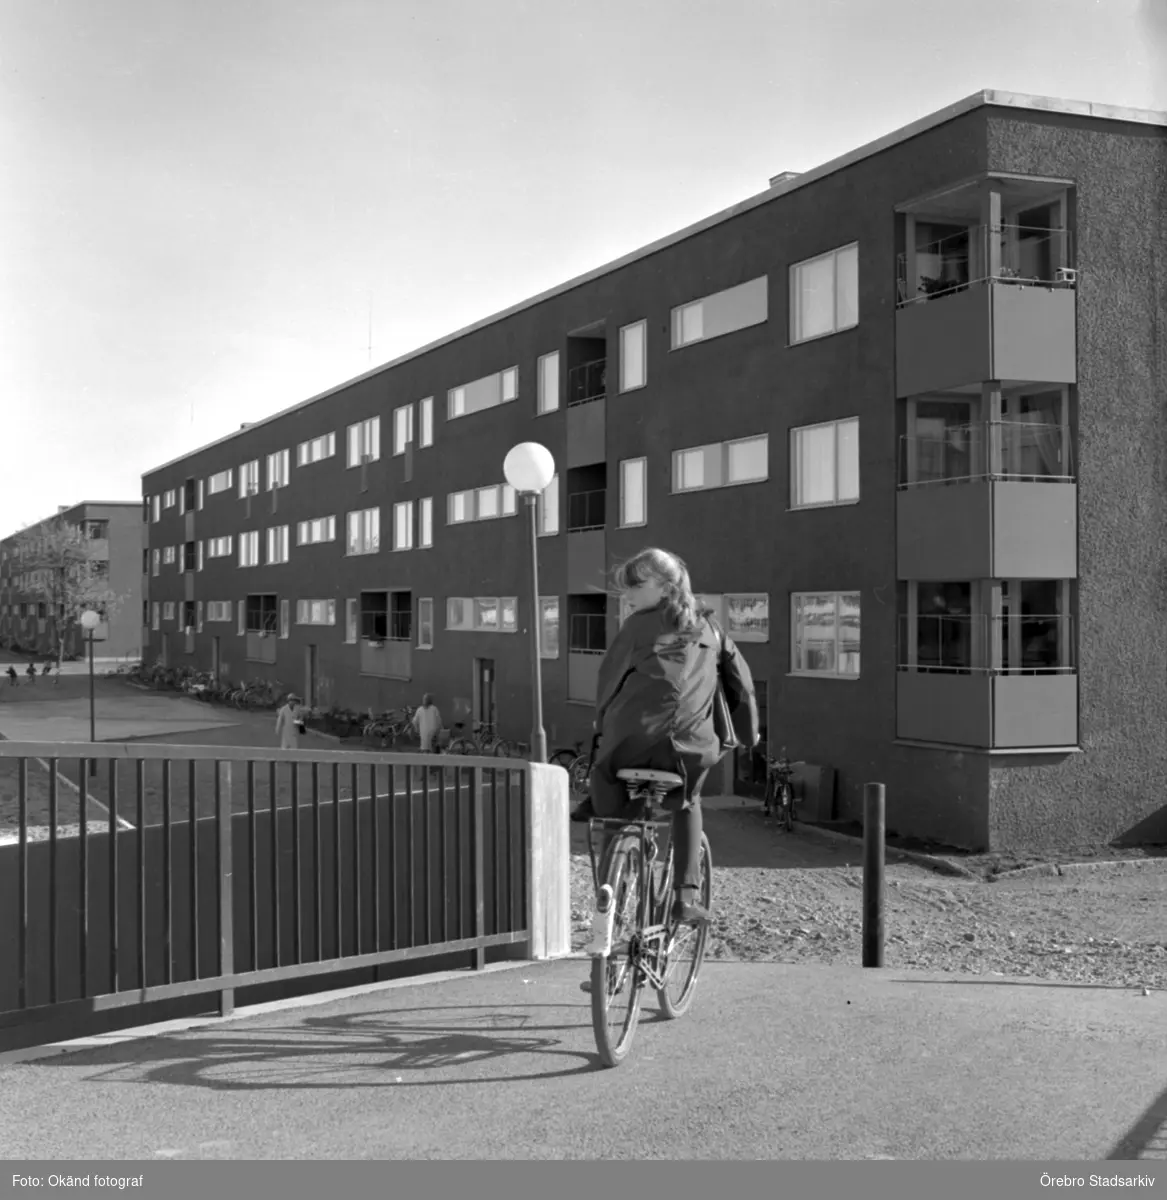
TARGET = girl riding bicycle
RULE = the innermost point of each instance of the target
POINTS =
(654, 705)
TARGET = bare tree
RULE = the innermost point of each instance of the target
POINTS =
(61, 569)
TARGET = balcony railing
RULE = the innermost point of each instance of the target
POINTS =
(978, 644)
(586, 510)
(379, 626)
(1027, 257)
(1020, 450)
(588, 633)
(588, 381)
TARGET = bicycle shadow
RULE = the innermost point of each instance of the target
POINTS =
(363, 1050)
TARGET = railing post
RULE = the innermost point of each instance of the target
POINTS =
(478, 822)
(223, 816)
(873, 889)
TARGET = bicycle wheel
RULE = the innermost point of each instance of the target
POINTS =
(563, 758)
(461, 746)
(508, 749)
(579, 777)
(686, 945)
(617, 981)
(788, 807)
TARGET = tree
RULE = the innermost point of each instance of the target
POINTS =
(62, 570)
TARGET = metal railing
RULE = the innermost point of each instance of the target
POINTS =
(587, 633)
(1017, 450)
(177, 872)
(1026, 256)
(588, 381)
(979, 644)
(587, 510)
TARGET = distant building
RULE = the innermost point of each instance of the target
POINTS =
(902, 415)
(116, 538)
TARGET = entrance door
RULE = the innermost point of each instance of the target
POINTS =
(484, 711)
(310, 667)
(216, 660)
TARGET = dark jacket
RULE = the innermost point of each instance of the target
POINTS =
(654, 704)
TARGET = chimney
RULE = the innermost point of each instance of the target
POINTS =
(783, 177)
(62, 508)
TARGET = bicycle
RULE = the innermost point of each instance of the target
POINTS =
(565, 756)
(482, 740)
(779, 799)
(635, 941)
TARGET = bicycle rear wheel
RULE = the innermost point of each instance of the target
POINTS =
(788, 807)
(563, 758)
(617, 981)
(686, 944)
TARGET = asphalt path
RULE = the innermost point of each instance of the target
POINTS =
(773, 1061)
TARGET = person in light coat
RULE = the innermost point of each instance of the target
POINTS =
(428, 723)
(290, 723)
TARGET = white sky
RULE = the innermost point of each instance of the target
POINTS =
(202, 198)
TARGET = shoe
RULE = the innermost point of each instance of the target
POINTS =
(585, 812)
(688, 913)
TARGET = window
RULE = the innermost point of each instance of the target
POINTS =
(481, 504)
(277, 544)
(633, 492)
(486, 614)
(168, 555)
(249, 479)
(156, 623)
(487, 501)
(633, 364)
(425, 522)
(319, 529)
(459, 613)
(285, 623)
(167, 610)
(219, 547)
(548, 400)
(96, 530)
(375, 616)
(157, 513)
(199, 556)
(218, 610)
(745, 616)
(824, 464)
(261, 614)
(721, 464)
(351, 618)
(824, 634)
(364, 442)
(488, 392)
(279, 469)
(157, 561)
(189, 557)
(403, 525)
(188, 615)
(170, 498)
(402, 428)
(364, 531)
(316, 449)
(220, 482)
(315, 612)
(425, 623)
(425, 415)
(723, 312)
(199, 494)
(249, 549)
(548, 513)
(241, 608)
(824, 294)
(548, 626)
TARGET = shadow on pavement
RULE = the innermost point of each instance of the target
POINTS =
(1147, 1137)
(1031, 983)
(358, 1050)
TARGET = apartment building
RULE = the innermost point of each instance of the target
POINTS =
(112, 536)
(902, 414)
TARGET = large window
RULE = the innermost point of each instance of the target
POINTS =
(723, 312)
(824, 634)
(403, 525)
(486, 614)
(721, 464)
(364, 531)
(315, 612)
(402, 428)
(745, 616)
(481, 504)
(277, 544)
(548, 383)
(220, 547)
(824, 294)
(219, 610)
(425, 413)
(319, 529)
(824, 464)
(249, 478)
(633, 356)
(220, 482)
(425, 623)
(262, 614)
(487, 392)
(364, 442)
(548, 626)
(279, 469)
(633, 492)
(548, 508)
(425, 522)
(316, 449)
(249, 549)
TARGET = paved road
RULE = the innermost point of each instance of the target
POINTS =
(774, 1061)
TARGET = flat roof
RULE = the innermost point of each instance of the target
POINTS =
(65, 509)
(986, 98)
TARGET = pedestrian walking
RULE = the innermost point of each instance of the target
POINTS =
(428, 723)
(290, 723)
(30, 671)
(11, 673)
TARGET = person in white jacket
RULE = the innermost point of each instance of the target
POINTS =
(428, 723)
(289, 723)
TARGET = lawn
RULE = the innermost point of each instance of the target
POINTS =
(38, 799)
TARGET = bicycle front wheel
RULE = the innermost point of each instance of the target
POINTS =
(685, 948)
(617, 980)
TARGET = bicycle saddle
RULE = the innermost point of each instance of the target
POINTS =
(644, 775)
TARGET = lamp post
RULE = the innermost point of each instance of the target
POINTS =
(529, 468)
(89, 622)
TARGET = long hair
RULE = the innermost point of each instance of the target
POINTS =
(670, 572)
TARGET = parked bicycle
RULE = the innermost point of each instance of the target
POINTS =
(482, 740)
(566, 755)
(635, 942)
(779, 798)
(391, 726)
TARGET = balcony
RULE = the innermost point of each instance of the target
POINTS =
(587, 382)
(389, 659)
(586, 434)
(993, 500)
(1027, 699)
(261, 646)
(586, 510)
(986, 305)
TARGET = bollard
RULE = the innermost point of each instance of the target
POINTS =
(873, 839)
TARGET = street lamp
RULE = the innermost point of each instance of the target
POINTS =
(89, 622)
(529, 468)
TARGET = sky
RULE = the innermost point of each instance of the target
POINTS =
(210, 209)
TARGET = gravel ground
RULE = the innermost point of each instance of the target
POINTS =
(798, 898)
